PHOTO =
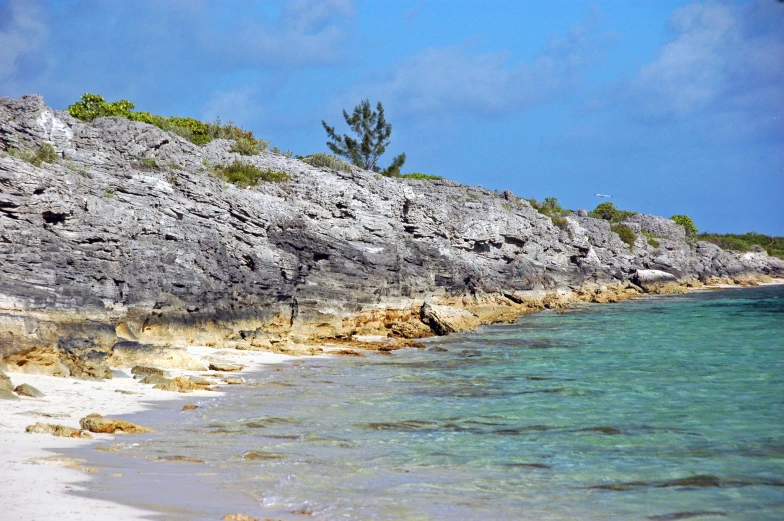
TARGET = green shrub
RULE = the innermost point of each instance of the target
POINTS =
(45, 153)
(421, 177)
(609, 212)
(746, 242)
(245, 174)
(625, 233)
(560, 221)
(93, 106)
(245, 146)
(149, 162)
(550, 207)
(328, 161)
(651, 238)
(686, 222)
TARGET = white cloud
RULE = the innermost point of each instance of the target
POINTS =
(721, 57)
(23, 32)
(491, 83)
(304, 33)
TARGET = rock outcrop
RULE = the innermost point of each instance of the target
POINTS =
(127, 243)
(99, 424)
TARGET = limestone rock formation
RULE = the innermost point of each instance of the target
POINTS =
(57, 430)
(97, 423)
(128, 243)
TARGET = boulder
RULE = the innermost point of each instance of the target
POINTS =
(658, 226)
(99, 424)
(183, 384)
(57, 430)
(140, 371)
(658, 282)
(127, 354)
(446, 319)
(225, 367)
(28, 390)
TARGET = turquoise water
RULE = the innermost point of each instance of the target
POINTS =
(667, 408)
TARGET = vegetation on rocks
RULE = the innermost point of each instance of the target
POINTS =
(372, 132)
(651, 238)
(93, 106)
(551, 208)
(626, 234)
(609, 212)
(421, 177)
(246, 174)
(687, 223)
(746, 242)
(249, 146)
(328, 161)
(45, 153)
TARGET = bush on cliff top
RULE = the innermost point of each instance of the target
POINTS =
(245, 174)
(93, 106)
(328, 161)
(746, 242)
(686, 222)
(421, 177)
(609, 212)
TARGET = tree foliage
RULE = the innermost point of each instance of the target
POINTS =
(372, 138)
(609, 212)
(686, 222)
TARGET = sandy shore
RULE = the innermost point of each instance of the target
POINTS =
(35, 482)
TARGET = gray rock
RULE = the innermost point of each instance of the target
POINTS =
(101, 256)
(28, 390)
(644, 278)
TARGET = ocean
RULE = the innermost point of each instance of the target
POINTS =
(661, 408)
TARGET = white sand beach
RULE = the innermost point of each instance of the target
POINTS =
(35, 482)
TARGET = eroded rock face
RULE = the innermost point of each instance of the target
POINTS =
(102, 255)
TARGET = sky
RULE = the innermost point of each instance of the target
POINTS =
(670, 106)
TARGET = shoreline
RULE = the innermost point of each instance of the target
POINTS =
(38, 482)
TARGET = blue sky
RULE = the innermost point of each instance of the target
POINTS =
(670, 106)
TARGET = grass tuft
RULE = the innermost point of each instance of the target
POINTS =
(245, 175)
(421, 177)
(328, 161)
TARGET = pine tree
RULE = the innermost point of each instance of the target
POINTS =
(372, 132)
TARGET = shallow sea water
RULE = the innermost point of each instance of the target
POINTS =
(665, 408)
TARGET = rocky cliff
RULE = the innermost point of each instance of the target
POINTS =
(127, 237)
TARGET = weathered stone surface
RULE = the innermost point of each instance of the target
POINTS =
(142, 371)
(183, 384)
(445, 319)
(102, 256)
(28, 390)
(99, 424)
(646, 277)
(127, 353)
(225, 367)
(57, 430)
